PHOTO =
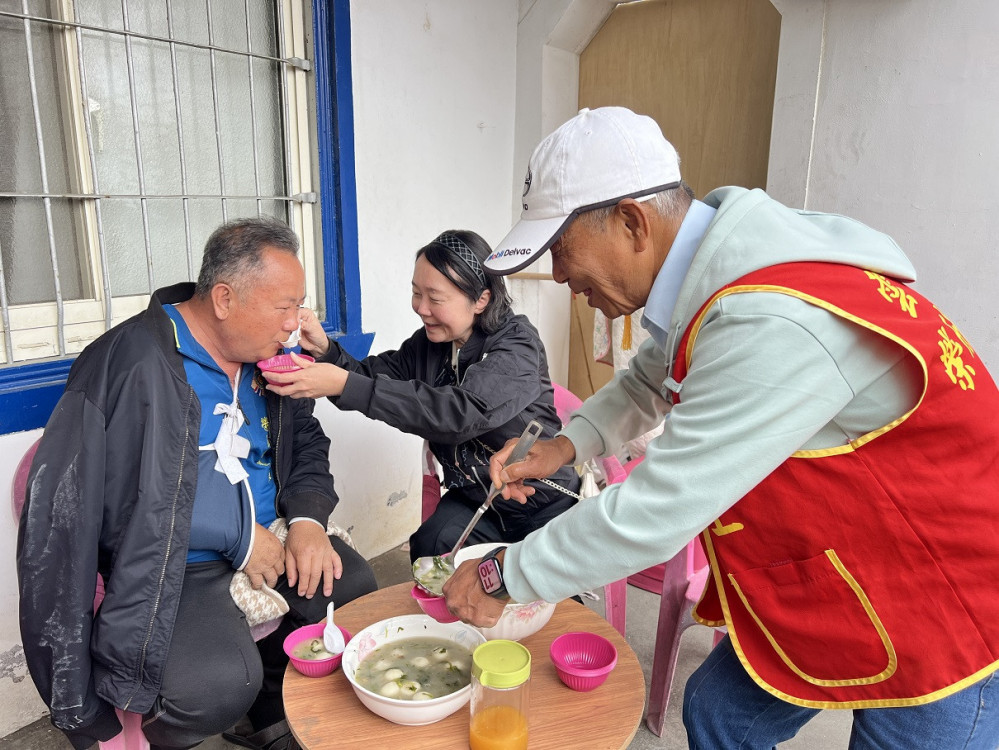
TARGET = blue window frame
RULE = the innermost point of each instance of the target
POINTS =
(337, 187)
(29, 392)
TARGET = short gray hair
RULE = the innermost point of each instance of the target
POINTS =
(232, 253)
(671, 203)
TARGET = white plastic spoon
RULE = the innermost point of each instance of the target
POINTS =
(293, 338)
(332, 637)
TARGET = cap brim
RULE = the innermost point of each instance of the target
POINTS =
(525, 243)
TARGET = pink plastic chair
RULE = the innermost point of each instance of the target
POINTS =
(684, 579)
(650, 579)
(20, 484)
(130, 737)
(616, 593)
(680, 581)
(431, 485)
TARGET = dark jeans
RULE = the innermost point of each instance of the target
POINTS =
(215, 674)
(723, 709)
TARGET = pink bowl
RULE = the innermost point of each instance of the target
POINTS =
(312, 667)
(583, 660)
(435, 606)
(282, 363)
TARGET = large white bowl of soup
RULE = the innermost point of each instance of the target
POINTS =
(412, 669)
(518, 620)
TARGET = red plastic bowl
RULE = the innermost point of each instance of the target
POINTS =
(282, 363)
(435, 606)
(583, 660)
(312, 667)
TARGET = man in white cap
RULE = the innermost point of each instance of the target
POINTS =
(832, 439)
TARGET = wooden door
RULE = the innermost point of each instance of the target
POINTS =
(705, 70)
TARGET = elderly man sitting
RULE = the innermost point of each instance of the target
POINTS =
(161, 468)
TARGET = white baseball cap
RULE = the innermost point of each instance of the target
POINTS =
(599, 157)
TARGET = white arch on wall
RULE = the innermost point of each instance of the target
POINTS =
(551, 34)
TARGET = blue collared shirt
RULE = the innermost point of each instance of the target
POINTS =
(666, 288)
(218, 526)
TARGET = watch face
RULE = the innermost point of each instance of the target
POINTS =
(490, 576)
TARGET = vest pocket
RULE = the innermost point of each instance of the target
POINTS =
(818, 620)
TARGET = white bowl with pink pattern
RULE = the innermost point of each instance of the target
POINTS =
(397, 710)
(518, 620)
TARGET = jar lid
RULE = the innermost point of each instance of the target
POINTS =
(501, 664)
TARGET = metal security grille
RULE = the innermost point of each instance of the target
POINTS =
(135, 131)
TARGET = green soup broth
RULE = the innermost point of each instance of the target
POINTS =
(311, 649)
(415, 669)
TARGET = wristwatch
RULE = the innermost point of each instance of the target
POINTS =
(491, 574)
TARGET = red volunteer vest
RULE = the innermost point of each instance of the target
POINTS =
(868, 575)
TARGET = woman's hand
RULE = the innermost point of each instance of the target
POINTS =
(314, 380)
(314, 338)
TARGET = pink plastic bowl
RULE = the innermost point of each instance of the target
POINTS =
(435, 606)
(312, 667)
(583, 660)
(282, 363)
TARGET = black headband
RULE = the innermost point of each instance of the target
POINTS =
(455, 243)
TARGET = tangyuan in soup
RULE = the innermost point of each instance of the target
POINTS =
(311, 649)
(417, 669)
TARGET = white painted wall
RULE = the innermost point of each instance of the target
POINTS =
(433, 113)
(550, 36)
(886, 111)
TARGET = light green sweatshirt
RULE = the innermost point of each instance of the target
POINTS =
(770, 374)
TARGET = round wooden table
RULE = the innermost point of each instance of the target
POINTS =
(324, 713)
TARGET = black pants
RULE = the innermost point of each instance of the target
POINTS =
(215, 673)
(505, 521)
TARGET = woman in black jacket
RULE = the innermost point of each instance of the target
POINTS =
(469, 380)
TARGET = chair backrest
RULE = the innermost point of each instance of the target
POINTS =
(614, 472)
(431, 485)
(566, 402)
(20, 484)
(19, 488)
(696, 559)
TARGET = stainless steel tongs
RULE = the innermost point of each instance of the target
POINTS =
(431, 571)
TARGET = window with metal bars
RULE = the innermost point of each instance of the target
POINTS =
(131, 130)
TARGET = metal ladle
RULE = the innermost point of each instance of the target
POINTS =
(430, 572)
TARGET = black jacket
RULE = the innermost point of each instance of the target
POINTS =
(111, 491)
(503, 384)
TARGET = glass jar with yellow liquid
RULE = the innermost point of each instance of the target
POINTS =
(501, 676)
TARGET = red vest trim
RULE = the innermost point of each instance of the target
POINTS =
(864, 575)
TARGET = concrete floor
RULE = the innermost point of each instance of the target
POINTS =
(828, 731)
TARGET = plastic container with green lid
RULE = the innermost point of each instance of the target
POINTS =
(501, 676)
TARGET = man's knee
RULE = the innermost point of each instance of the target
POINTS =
(693, 709)
(358, 576)
(425, 541)
(227, 689)
(357, 580)
(705, 699)
(207, 704)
